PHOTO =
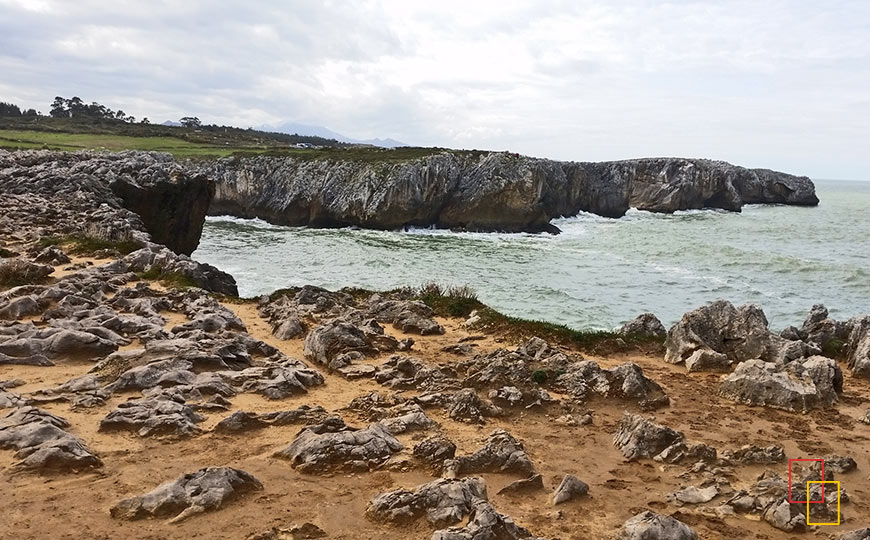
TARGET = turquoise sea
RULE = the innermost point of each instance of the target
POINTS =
(599, 272)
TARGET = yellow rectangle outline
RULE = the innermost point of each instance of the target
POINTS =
(808, 500)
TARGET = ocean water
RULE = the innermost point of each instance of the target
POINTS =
(599, 272)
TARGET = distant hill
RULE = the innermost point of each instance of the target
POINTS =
(171, 123)
(293, 128)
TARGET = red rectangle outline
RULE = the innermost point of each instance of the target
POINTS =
(789, 482)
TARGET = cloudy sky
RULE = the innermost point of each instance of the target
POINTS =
(776, 83)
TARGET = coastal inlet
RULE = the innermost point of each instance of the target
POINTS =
(598, 273)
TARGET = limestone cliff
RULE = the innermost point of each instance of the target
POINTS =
(114, 196)
(486, 192)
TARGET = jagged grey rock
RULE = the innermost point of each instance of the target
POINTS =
(333, 445)
(485, 523)
(569, 488)
(163, 413)
(858, 534)
(501, 453)
(637, 437)
(720, 328)
(443, 502)
(113, 196)
(532, 483)
(858, 351)
(801, 386)
(205, 490)
(695, 495)
(435, 449)
(491, 191)
(466, 406)
(586, 379)
(41, 442)
(651, 526)
(644, 325)
(756, 455)
(840, 464)
(52, 255)
(241, 421)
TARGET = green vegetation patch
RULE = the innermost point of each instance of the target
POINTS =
(168, 279)
(82, 244)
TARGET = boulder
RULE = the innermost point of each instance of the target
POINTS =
(20, 307)
(52, 255)
(586, 379)
(163, 413)
(41, 442)
(241, 421)
(840, 464)
(569, 488)
(485, 523)
(858, 534)
(533, 483)
(333, 445)
(466, 406)
(501, 453)
(17, 271)
(695, 495)
(327, 341)
(813, 383)
(756, 455)
(435, 449)
(739, 333)
(651, 526)
(205, 490)
(644, 325)
(637, 437)
(858, 351)
(442, 502)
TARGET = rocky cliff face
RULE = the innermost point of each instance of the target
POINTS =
(138, 196)
(488, 192)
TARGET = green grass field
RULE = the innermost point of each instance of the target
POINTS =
(17, 139)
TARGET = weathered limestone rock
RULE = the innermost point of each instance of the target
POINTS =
(644, 325)
(637, 437)
(569, 488)
(333, 445)
(110, 196)
(840, 464)
(52, 255)
(160, 261)
(493, 191)
(17, 271)
(586, 379)
(695, 495)
(739, 333)
(205, 490)
(485, 523)
(466, 406)
(163, 413)
(443, 502)
(858, 534)
(813, 383)
(858, 352)
(756, 455)
(532, 483)
(241, 421)
(501, 453)
(435, 449)
(41, 443)
(651, 526)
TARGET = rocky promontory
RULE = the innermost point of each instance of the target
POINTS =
(126, 196)
(484, 191)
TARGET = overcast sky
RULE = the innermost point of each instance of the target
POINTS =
(779, 84)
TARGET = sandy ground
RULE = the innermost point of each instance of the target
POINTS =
(77, 505)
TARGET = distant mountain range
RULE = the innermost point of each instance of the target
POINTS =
(292, 128)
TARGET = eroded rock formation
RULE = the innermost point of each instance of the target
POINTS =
(482, 191)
